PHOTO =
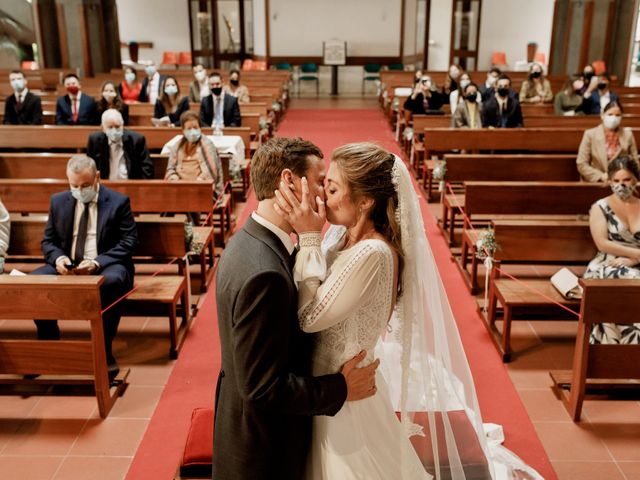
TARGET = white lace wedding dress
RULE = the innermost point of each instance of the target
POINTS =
(345, 298)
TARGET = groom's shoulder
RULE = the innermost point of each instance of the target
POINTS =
(249, 255)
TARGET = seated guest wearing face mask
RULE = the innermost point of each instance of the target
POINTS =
(75, 108)
(467, 114)
(502, 110)
(5, 229)
(110, 99)
(487, 89)
(425, 99)
(451, 80)
(603, 144)
(599, 98)
(219, 109)
(23, 107)
(130, 87)
(170, 106)
(456, 96)
(569, 101)
(234, 88)
(151, 87)
(90, 231)
(194, 157)
(590, 80)
(614, 222)
(536, 89)
(120, 154)
(199, 87)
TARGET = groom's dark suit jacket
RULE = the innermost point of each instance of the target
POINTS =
(265, 396)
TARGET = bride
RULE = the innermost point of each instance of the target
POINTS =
(372, 284)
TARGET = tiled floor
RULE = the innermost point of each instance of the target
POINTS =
(606, 443)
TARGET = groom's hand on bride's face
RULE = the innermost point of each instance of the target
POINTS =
(307, 215)
(361, 382)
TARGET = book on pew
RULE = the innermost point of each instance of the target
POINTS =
(566, 282)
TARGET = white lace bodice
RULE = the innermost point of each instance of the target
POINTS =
(345, 297)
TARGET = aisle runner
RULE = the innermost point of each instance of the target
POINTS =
(192, 381)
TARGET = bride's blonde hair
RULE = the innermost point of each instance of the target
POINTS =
(368, 171)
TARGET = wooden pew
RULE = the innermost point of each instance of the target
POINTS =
(532, 242)
(516, 235)
(157, 295)
(147, 196)
(54, 165)
(60, 298)
(601, 367)
(519, 198)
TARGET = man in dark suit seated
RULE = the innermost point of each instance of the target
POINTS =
(502, 110)
(150, 89)
(23, 107)
(598, 95)
(211, 113)
(75, 108)
(120, 154)
(90, 231)
(487, 89)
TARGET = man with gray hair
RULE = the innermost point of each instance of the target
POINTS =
(120, 154)
(90, 231)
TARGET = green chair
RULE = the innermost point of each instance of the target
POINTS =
(396, 66)
(284, 66)
(370, 73)
(309, 72)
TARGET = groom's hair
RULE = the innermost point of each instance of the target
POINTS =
(276, 155)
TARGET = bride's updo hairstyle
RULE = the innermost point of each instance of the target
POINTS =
(367, 170)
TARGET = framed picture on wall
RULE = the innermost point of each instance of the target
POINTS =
(334, 52)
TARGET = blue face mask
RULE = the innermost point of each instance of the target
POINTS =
(192, 135)
(130, 77)
(84, 195)
(170, 89)
(114, 134)
(17, 84)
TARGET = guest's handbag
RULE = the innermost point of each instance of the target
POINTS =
(566, 282)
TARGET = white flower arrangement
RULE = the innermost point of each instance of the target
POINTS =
(486, 244)
(440, 171)
(408, 134)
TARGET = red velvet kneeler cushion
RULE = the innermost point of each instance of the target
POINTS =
(197, 456)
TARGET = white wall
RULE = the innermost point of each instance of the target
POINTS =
(370, 27)
(259, 28)
(163, 22)
(440, 34)
(507, 26)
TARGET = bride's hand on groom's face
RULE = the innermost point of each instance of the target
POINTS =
(361, 382)
(308, 215)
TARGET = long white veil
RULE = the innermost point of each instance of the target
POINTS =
(425, 366)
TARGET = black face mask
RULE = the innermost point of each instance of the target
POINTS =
(587, 75)
(503, 92)
(235, 83)
(216, 91)
(471, 97)
(602, 86)
(536, 74)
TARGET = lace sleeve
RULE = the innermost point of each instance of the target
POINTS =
(347, 286)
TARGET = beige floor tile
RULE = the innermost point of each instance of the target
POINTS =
(151, 375)
(543, 406)
(137, 402)
(631, 470)
(29, 467)
(587, 471)
(528, 377)
(110, 437)
(8, 429)
(15, 406)
(94, 468)
(44, 437)
(50, 407)
(566, 441)
(612, 411)
(623, 441)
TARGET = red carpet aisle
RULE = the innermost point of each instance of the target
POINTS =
(192, 382)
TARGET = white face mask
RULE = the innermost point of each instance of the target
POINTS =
(130, 77)
(17, 84)
(622, 191)
(170, 89)
(150, 70)
(114, 134)
(192, 135)
(84, 195)
(491, 80)
(464, 83)
(201, 75)
(611, 121)
(454, 73)
(109, 96)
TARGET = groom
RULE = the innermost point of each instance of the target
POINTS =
(266, 395)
